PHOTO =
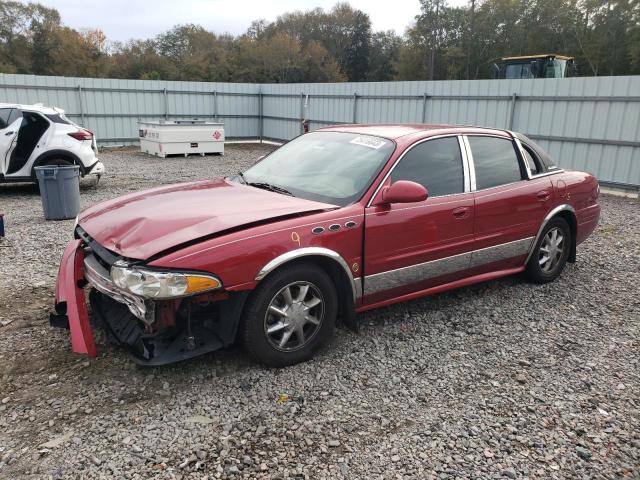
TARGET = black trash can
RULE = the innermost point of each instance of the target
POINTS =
(60, 191)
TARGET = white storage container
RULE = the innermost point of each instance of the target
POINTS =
(181, 137)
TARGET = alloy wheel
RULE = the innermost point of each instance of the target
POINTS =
(294, 316)
(551, 250)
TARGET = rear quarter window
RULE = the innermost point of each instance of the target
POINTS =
(57, 118)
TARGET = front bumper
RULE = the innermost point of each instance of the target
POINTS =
(154, 333)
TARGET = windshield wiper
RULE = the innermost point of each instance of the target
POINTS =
(271, 188)
(244, 180)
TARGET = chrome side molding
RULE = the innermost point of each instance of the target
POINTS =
(307, 252)
(443, 266)
(549, 216)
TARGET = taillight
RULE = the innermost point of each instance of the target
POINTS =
(82, 134)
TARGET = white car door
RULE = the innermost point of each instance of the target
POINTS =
(10, 121)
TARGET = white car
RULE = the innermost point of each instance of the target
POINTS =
(34, 135)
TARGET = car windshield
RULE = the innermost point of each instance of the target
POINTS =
(330, 167)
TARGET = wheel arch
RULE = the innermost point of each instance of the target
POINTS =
(566, 212)
(334, 265)
(65, 154)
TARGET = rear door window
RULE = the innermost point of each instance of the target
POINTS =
(495, 160)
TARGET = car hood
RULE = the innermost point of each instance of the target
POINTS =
(143, 224)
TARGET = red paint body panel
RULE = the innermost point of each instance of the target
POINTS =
(237, 258)
(67, 290)
(144, 224)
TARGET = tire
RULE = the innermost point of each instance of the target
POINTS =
(278, 340)
(540, 271)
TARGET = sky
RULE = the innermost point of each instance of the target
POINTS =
(125, 19)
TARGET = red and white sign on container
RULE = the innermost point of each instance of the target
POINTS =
(181, 137)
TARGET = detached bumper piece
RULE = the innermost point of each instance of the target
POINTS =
(70, 305)
(197, 329)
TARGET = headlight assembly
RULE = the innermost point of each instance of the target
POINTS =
(161, 285)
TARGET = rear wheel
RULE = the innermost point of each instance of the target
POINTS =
(551, 252)
(290, 315)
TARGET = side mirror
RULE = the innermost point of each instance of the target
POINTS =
(402, 191)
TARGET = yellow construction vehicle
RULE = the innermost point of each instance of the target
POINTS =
(546, 65)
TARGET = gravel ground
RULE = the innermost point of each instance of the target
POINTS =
(499, 380)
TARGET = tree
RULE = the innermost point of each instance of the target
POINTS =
(384, 54)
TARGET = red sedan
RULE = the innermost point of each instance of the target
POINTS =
(331, 224)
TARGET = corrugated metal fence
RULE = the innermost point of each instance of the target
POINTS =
(584, 123)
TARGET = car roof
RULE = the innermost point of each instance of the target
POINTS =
(394, 131)
(38, 107)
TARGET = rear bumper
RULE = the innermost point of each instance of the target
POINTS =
(95, 169)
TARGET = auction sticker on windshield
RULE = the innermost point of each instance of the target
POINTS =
(371, 142)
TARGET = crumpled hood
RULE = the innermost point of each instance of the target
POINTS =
(142, 224)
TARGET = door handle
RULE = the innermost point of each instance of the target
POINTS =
(543, 195)
(9, 133)
(461, 212)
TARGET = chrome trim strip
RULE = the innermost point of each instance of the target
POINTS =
(500, 252)
(306, 252)
(384, 179)
(548, 217)
(472, 166)
(521, 150)
(98, 277)
(358, 284)
(465, 163)
(400, 277)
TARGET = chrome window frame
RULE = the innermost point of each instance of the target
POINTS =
(547, 170)
(465, 167)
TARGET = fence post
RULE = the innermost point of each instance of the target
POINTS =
(424, 107)
(215, 105)
(81, 104)
(166, 104)
(355, 106)
(512, 112)
(260, 114)
(301, 112)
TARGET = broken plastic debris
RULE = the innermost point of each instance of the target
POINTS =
(200, 419)
(283, 398)
(56, 442)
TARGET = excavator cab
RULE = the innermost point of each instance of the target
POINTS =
(535, 66)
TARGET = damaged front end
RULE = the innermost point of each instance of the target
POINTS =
(160, 317)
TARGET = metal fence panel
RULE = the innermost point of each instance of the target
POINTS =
(584, 123)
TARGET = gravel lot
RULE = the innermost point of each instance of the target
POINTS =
(499, 380)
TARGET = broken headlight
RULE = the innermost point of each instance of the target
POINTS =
(161, 285)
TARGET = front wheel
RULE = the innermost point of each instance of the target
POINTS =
(550, 253)
(289, 315)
